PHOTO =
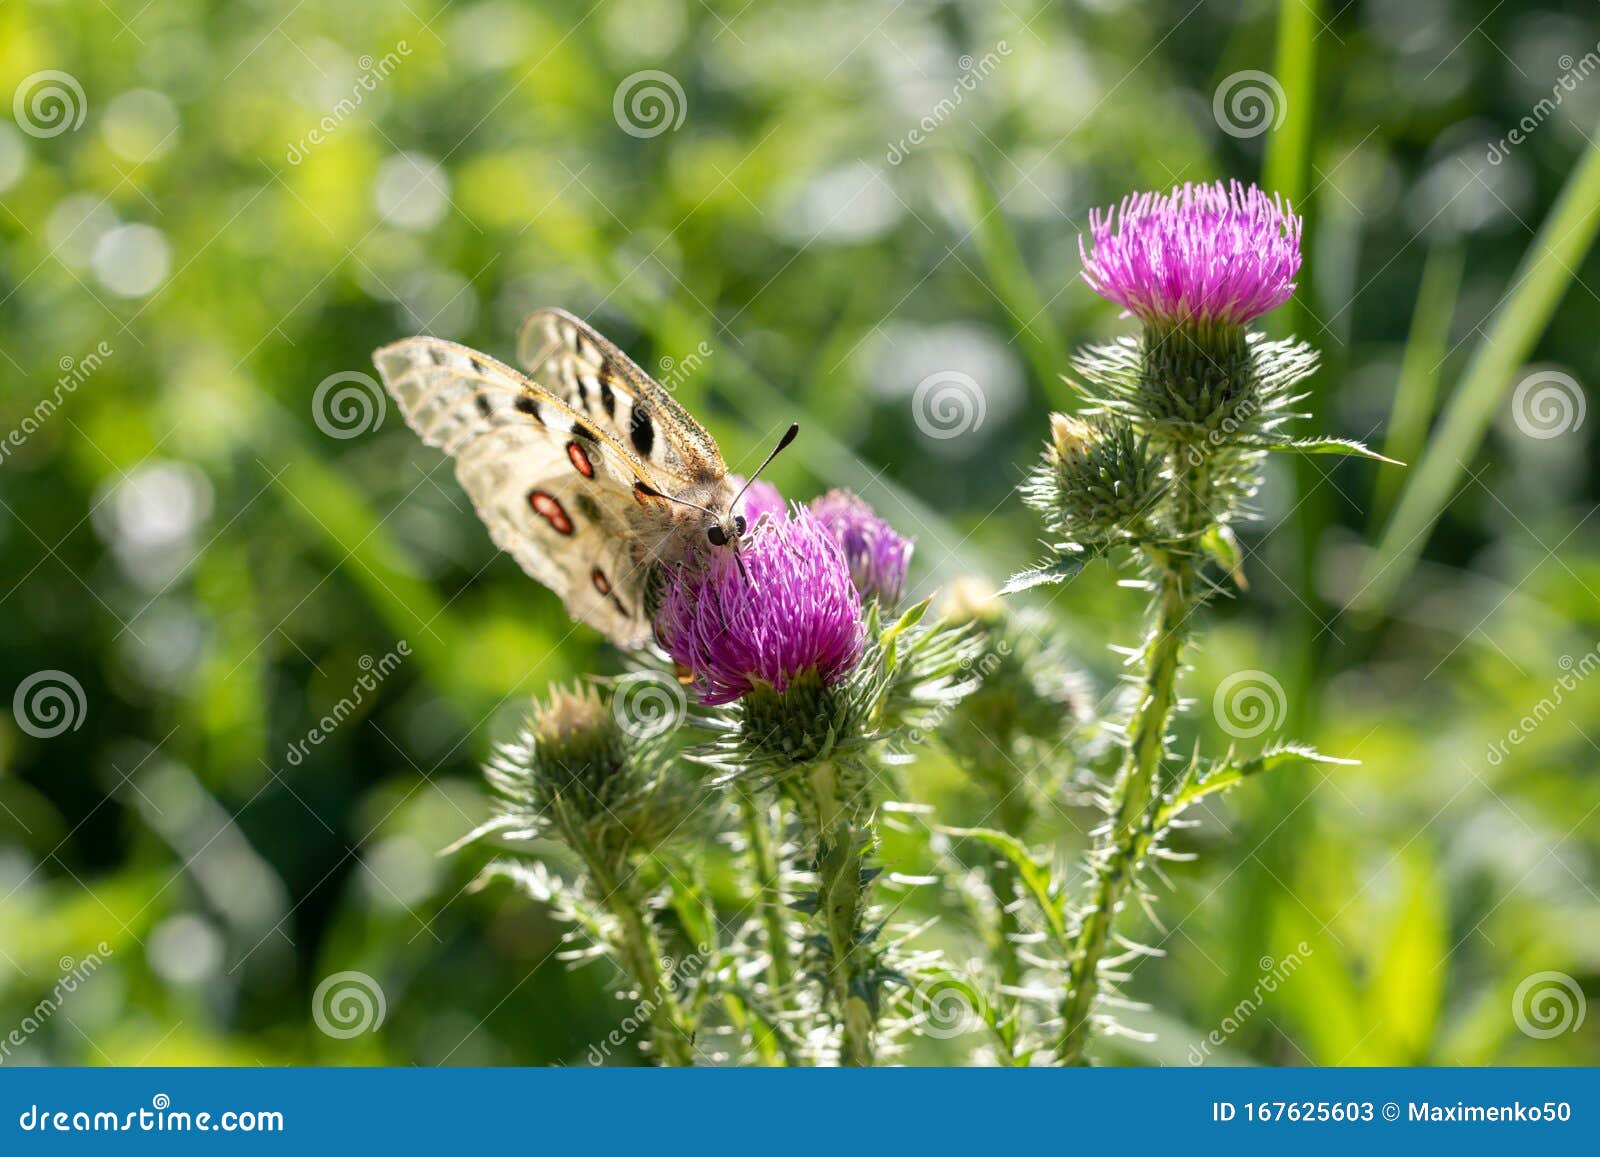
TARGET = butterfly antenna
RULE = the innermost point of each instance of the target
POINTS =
(651, 492)
(783, 442)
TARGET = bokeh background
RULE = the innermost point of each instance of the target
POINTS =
(212, 531)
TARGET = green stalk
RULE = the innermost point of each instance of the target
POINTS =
(1003, 885)
(1117, 852)
(766, 875)
(640, 950)
(1545, 274)
(842, 840)
(1417, 386)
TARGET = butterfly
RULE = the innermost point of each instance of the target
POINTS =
(584, 469)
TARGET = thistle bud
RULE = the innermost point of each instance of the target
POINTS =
(576, 774)
(1099, 482)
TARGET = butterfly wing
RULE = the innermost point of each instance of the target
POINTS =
(554, 488)
(591, 375)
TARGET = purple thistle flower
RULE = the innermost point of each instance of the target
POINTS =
(877, 555)
(797, 612)
(1202, 253)
(762, 497)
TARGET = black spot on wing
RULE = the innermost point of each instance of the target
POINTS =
(608, 398)
(579, 430)
(642, 430)
(485, 407)
(526, 405)
(477, 366)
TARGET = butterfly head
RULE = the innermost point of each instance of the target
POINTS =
(727, 531)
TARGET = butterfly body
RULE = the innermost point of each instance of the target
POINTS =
(584, 469)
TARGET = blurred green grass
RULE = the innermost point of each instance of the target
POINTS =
(186, 541)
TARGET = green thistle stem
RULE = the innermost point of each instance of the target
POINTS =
(1003, 885)
(842, 840)
(767, 877)
(1116, 854)
(640, 951)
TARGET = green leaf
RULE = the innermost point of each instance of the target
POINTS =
(1407, 987)
(1008, 276)
(513, 827)
(1034, 873)
(1347, 446)
(1221, 544)
(1416, 386)
(911, 618)
(1227, 773)
(1049, 575)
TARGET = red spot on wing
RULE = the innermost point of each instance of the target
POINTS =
(601, 583)
(580, 459)
(549, 508)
